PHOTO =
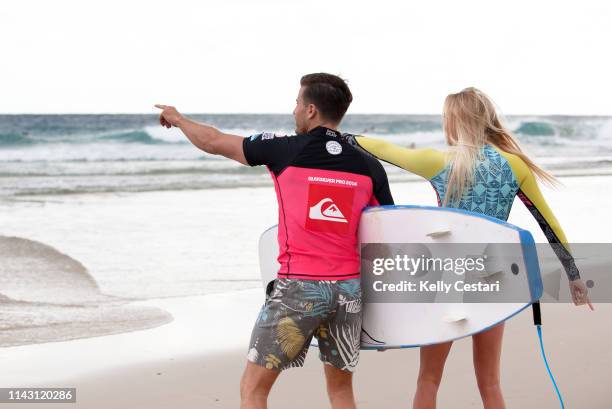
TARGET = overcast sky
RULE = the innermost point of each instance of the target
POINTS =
(532, 57)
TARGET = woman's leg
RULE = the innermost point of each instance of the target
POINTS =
(431, 368)
(487, 347)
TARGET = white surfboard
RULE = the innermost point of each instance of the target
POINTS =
(423, 318)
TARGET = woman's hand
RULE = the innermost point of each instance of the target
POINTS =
(580, 293)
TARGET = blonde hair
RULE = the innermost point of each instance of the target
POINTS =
(471, 121)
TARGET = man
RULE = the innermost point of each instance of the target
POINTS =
(322, 185)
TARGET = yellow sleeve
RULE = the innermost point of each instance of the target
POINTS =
(423, 162)
(531, 196)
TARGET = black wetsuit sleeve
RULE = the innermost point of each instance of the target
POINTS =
(550, 227)
(266, 149)
(381, 193)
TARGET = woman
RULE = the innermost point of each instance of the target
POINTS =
(483, 171)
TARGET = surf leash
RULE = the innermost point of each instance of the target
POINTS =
(537, 321)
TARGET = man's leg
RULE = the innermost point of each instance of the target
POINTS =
(280, 339)
(339, 388)
(339, 342)
(255, 386)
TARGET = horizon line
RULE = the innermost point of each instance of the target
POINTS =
(282, 113)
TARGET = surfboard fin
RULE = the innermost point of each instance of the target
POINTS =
(452, 318)
(439, 233)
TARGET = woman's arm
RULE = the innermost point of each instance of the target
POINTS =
(531, 196)
(426, 163)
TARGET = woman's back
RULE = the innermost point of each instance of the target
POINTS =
(494, 187)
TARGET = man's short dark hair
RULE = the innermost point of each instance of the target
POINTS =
(329, 93)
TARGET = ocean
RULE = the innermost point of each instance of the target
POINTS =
(64, 154)
(98, 212)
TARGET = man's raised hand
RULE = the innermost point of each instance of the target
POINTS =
(169, 116)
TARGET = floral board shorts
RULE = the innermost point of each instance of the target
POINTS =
(297, 310)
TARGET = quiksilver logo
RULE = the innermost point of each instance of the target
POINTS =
(326, 209)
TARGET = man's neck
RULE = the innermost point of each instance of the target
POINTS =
(327, 125)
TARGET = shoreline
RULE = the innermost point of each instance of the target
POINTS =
(181, 336)
(398, 178)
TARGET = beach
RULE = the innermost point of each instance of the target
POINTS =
(195, 357)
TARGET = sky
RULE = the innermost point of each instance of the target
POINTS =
(239, 56)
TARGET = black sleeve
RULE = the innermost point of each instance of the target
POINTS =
(381, 190)
(266, 149)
